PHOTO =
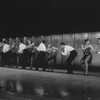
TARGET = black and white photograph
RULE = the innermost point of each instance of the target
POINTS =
(49, 50)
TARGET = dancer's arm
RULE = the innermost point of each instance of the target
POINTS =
(65, 52)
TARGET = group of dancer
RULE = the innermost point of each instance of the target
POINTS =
(28, 55)
(25, 55)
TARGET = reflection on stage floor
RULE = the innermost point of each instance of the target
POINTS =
(36, 85)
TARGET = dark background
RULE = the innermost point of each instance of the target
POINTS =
(36, 17)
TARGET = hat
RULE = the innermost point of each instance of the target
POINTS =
(63, 43)
(43, 41)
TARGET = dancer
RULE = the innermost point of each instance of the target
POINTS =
(51, 56)
(40, 58)
(71, 53)
(5, 55)
(14, 54)
(29, 52)
(22, 56)
(87, 56)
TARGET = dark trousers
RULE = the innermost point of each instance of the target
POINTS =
(69, 60)
(40, 60)
(5, 58)
(22, 60)
(13, 60)
(25, 58)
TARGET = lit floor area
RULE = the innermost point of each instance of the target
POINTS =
(19, 84)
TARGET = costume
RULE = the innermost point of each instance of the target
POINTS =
(51, 57)
(40, 58)
(71, 52)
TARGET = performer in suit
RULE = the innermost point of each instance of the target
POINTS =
(22, 57)
(14, 54)
(71, 53)
(5, 55)
(87, 56)
(40, 58)
(25, 53)
(51, 56)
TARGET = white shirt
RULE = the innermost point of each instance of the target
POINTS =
(22, 47)
(67, 50)
(41, 47)
(6, 48)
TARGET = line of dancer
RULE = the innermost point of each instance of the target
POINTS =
(44, 56)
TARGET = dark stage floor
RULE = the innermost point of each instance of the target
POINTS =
(18, 84)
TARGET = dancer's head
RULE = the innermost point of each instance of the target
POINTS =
(86, 41)
(63, 44)
(28, 42)
(43, 41)
(4, 40)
